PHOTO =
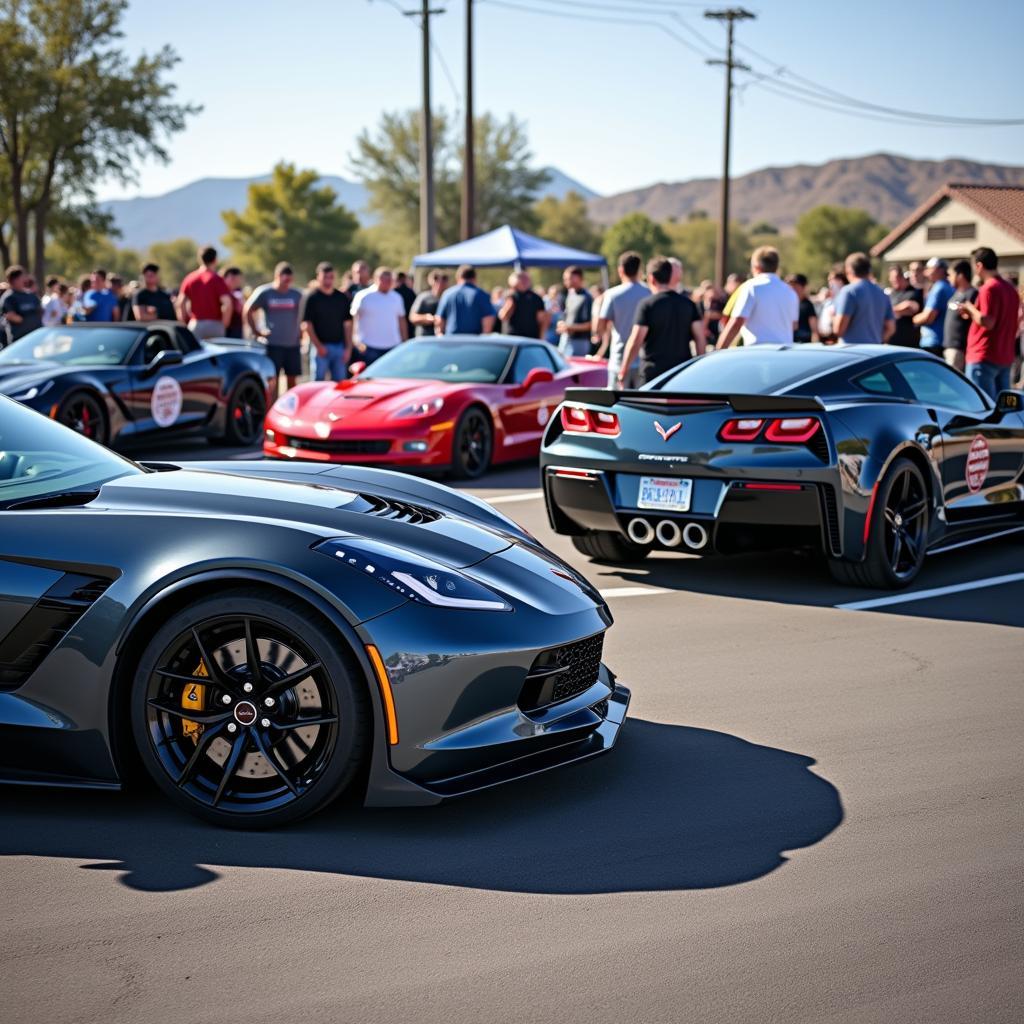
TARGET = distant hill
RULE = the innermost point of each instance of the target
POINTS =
(889, 187)
(193, 211)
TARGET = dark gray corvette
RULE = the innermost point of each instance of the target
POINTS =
(262, 637)
(874, 455)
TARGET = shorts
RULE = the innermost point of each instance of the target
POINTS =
(287, 359)
(954, 357)
(630, 383)
(205, 329)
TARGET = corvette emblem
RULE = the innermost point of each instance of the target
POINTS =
(666, 434)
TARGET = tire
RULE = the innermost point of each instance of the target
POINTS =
(245, 764)
(898, 533)
(83, 412)
(472, 444)
(605, 546)
(247, 408)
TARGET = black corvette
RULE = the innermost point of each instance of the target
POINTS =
(115, 383)
(873, 455)
(260, 637)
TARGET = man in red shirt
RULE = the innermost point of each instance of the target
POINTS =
(992, 334)
(204, 299)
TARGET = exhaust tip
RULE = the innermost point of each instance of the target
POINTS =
(640, 531)
(695, 536)
(669, 533)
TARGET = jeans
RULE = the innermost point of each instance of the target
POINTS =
(990, 378)
(331, 362)
(371, 355)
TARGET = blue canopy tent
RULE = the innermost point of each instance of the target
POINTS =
(508, 247)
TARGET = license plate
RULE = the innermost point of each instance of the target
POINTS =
(668, 493)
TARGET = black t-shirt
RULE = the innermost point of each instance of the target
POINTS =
(803, 325)
(328, 313)
(157, 298)
(908, 334)
(954, 330)
(426, 302)
(408, 296)
(28, 306)
(669, 318)
(523, 320)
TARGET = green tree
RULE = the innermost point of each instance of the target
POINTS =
(74, 111)
(175, 259)
(290, 218)
(387, 163)
(828, 234)
(634, 231)
(567, 221)
(695, 240)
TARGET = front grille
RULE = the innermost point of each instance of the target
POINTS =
(352, 447)
(391, 508)
(561, 673)
(830, 512)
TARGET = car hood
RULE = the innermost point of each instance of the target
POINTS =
(320, 509)
(360, 400)
(16, 377)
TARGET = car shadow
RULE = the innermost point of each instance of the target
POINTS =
(670, 808)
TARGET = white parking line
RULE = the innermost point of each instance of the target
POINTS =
(633, 591)
(925, 595)
(505, 498)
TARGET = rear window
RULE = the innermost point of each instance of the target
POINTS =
(749, 371)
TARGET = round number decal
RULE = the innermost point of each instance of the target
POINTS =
(978, 459)
(166, 401)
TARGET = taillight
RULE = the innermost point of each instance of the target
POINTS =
(577, 420)
(796, 430)
(741, 430)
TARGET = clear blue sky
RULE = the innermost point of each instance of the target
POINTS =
(616, 106)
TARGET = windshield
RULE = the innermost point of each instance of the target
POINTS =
(749, 371)
(39, 457)
(477, 362)
(93, 346)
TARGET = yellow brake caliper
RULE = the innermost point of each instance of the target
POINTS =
(194, 699)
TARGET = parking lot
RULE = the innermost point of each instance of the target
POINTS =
(814, 814)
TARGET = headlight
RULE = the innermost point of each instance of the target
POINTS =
(287, 405)
(416, 578)
(418, 409)
(33, 392)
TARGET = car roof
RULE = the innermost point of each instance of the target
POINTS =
(120, 325)
(837, 354)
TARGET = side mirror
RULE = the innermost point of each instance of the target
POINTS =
(1009, 401)
(356, 368)
(167, 357)
(538, 375)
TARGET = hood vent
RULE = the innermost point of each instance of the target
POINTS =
(403, 511)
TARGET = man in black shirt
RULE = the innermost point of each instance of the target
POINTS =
(151, 302)
(20, 307)
(807, 324)
(907, 301)
(407, 295)
(954, 328)
(326, 318)
(424, 309)
(665, 323)
(523, 313)
(360, 278)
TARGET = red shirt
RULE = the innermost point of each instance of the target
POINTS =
(998, 299)
(203, 289)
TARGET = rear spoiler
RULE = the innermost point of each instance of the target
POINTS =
(679, 400)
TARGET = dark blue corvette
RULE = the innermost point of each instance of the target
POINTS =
(114, 383)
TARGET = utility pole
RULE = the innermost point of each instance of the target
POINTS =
(730, 16)
(469, 170)
(427, 232)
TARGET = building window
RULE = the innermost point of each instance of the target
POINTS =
(938, 232)
(965, 231)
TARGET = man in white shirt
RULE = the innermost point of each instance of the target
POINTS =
(768, 310)
(379, 317)
(55, 303)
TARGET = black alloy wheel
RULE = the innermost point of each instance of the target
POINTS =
(248, 717)
(245, 414)
(84, 414)
(473, 444)
(898, 532)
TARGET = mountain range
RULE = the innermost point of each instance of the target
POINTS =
(888, 187)
(193, 211)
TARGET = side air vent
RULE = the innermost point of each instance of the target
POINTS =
(22, 651)
(562, 673)
(391, 508)
(830, 515)
(819, 445)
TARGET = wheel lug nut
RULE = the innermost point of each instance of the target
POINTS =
(265, 722)
(232, 727)
(247, 687)
(225, 699)
(268, 702)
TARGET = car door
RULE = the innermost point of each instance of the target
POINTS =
(982, 447)
(527, 409)
(176, 383)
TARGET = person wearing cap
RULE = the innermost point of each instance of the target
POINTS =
(932, 318)
(279, 303)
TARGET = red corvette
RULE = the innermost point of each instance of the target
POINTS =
(458, 403)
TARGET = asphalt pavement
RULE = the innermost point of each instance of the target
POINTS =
(814, 814)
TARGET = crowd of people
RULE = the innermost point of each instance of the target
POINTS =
(967, 314)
